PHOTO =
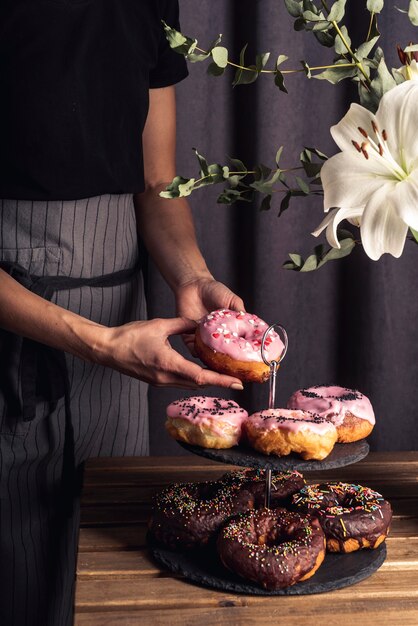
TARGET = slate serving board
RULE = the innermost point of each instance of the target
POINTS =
(342, 454)
(204, 568)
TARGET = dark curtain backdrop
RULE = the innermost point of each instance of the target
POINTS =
(354, 322)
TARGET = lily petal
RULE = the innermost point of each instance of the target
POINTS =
(398, 115)
(381, 228)
(347, 182)
(405, 200)
(333, 220)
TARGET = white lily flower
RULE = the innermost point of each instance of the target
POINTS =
(375, 178)
(409, 72)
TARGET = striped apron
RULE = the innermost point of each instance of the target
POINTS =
(46, 437)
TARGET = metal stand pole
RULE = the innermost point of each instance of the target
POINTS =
(274, 366)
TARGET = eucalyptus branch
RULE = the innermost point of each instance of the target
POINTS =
(351, 53)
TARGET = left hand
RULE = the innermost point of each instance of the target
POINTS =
(201, 296)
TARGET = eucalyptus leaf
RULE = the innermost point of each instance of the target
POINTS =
(321, 255)
(266, 203)
(279, 155)
(303, 186)
(325, 38)
(294, 7)
(284, 205)
(178, 188)
(335, 74)
(179, 42)
(364, 50)
(261, 60)
(279, 81)
(220, 56)
(215, 70)
(413, 12)
(340, 47)
(337, 11)
(281, 59)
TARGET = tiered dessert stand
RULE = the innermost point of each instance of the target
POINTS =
(337, 571)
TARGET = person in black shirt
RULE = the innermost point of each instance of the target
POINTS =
(87, 141)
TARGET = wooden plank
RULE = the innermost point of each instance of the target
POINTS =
(144, 593)
(294, 613)
(402, 554)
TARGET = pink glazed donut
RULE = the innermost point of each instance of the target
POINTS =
(281, 431)
(349, 410)
(207, 422)
(229, 342)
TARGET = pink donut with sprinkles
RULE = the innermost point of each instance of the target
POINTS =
(230, 342)
(349, 410)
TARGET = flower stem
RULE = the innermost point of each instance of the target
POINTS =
(350, 51)
(317, 68)
(369, 32)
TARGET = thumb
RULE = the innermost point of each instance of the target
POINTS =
(237, 304)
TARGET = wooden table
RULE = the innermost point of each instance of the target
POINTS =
(118, 584)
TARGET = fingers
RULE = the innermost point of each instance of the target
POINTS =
(200, 377)
(179, 325)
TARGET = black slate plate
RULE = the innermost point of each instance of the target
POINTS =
(204, 568)
(342, 454)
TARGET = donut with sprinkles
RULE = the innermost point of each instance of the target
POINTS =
(229, 342)
(352, 516)
(206, 422)
(282, 431)
(188, 515)
(349, 410)
(274, 548)
(283, 485)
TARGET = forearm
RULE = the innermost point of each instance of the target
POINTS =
(29, 315)
(167, 229)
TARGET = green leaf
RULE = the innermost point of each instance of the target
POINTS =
(375, 6)
(337, 11)
(204, 168)
(306, 68)
(279, 155)
(279, 81)
(238, 165)
(215, 70)
(335, 74)
(413, 12)
(294, 7)
(281, 59)
(261, 61)
(364, 50)
(179, 42)
(384, 80)
(303, 186)
(266, 203)
(284, 205)
(321, 255)
(178, 188)
(325, 38)
(220, 56)
(340, 47)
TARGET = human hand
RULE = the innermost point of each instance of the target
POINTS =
(199, 297)
(142, 350)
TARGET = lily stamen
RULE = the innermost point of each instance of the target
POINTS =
(363, 132)
(356, 145)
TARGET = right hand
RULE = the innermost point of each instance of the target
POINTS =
(142, 350)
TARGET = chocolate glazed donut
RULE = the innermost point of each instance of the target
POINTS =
(352, 517)
(274, 548)
(283, 485)
(188, 515)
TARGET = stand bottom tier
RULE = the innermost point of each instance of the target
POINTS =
(204, 568)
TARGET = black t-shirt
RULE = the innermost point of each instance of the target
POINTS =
(74, 77)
